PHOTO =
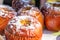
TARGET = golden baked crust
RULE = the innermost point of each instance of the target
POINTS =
(6, 14)
(24, 28)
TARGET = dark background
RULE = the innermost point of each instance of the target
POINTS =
(9, 2)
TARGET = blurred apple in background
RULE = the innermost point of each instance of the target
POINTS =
(51, 13)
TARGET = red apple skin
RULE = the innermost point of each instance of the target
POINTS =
(52, 22)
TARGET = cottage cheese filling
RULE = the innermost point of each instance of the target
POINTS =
(27, 23)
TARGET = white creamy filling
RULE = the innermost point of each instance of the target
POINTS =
(1, 13)
(33, 25)
(4, 13)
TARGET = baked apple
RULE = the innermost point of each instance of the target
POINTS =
(24, 28)
(32, 11)
(52, 16)
(6, 13)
